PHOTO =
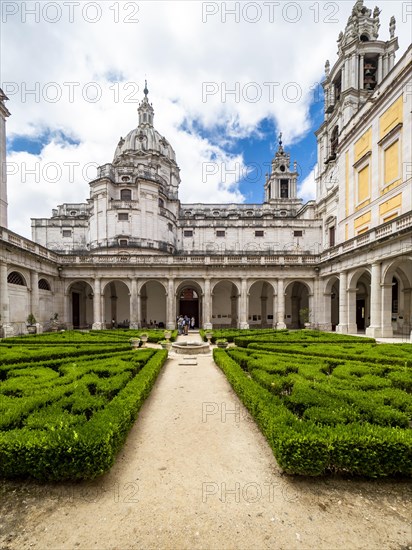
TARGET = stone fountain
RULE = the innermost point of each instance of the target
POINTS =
(191, 347)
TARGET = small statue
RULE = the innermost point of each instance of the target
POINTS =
(376, 12)
(392, 27)
(327, 68)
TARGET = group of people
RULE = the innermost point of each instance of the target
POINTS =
(184, 323)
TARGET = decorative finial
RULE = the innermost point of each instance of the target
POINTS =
(280, 140)
(327, 67)
(392, 27)
(145, 91)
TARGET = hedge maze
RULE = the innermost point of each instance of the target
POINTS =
(65, 410)
(331, 404)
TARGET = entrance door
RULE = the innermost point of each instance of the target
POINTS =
(76, 309)
(360, 314)
(189, 304)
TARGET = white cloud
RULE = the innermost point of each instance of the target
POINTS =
(307, 189)
(179, 49)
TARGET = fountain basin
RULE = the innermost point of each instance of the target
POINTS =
(190, 348)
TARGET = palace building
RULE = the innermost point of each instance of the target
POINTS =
(134, 254)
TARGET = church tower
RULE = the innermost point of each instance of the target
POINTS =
(281, 184)
(363, 62)
(4, 113)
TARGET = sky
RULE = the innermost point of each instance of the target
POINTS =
(224, 79)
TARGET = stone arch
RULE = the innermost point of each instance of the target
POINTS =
(260, 304)
(225, 304)
(189, 300)
(80, 303)
(331, 294)
(297, 301)
(19, 297)
(153, 306)
(397, 297)
(359, 285)
(116, 304)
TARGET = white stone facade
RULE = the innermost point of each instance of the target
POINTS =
(133, 255)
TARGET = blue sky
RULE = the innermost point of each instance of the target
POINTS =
(74, 80)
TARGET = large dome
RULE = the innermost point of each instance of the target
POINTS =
(144, 139)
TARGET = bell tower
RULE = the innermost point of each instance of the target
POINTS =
(363, 62)
(4, 113)
(281, 183)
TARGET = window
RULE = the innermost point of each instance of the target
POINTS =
(73, 212)
(284, 189)
(188, 233)
(334, 142)
(125, 178)
(67, 233)
(123, 242)
(259, 233)
(123, 217)
(161, 203)
(220, 233)
(43, 284)
(332, 236)
(363, 185)
(298, 233)
(126, 195)
(391, 163)
(216, 213)
(170, 227)
(14, 278)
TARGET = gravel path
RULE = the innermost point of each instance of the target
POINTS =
(195, 473)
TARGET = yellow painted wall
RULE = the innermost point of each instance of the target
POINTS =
(363, 145)
(391, 204)
(391, 163)
(391, 117)
(363, 184)
(362, 220)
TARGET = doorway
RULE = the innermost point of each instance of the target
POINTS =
(360, 314)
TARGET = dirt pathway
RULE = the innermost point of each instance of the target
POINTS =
(196, 473)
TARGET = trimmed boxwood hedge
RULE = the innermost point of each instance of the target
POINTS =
(317, 422)
(73, 425)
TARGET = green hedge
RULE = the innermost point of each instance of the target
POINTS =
(73, 426)
(314, 430)
(70, 337)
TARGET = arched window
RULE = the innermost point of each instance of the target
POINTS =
(334, 142)
(126, 195)
(161, 203)
(15, 278)
(44, 285)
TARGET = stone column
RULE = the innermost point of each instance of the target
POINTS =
(281, 305)
(134, 313)
(207, 302)
(352, 326)
(34, 294)
(243, 317)
(35, 300)
(343, 303)
(380, 78)
(275, 305)
(170, 310)
(4, 302)
(361, 71)
(374, 329)
(386, 319)
(139, 309)
(97, 305)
